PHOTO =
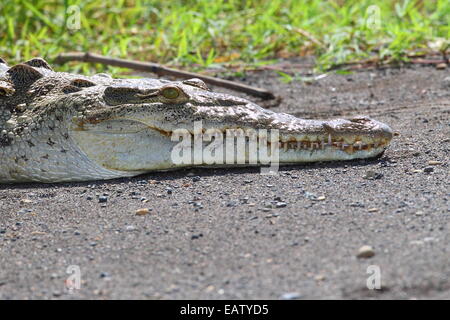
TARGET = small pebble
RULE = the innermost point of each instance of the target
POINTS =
(198, 205)
(441, 66)
(434, 163)
(102, 199)
(365, 252)
(244, 200)
(209, 288)
(280, 204)
(357, 204)
(290, 296)
(56, 293)
(447, 81)
(319, 277)
(23, 211)
(142, 211)
(196, 236)
(373, 209)
(310, 195)
(372, 175)
(428, 169)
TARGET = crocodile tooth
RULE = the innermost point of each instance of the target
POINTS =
(358, 144)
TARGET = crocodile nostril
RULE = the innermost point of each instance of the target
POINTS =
(82, 83)
(124, 95)
(230, 102)
(70, 89)
(148, 95)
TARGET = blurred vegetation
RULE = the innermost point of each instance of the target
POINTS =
(205, 33)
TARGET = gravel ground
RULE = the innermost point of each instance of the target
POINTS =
(236, 234)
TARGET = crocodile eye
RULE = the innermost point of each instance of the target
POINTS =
(170, 93)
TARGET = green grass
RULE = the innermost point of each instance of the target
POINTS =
(205, 33)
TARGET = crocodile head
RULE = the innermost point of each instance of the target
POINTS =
(72, 128)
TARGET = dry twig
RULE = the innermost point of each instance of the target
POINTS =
(162, 71)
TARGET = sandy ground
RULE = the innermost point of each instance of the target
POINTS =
(215, 234)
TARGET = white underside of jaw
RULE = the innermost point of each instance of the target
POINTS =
(131, 154)
(291, 157)
(139, 153)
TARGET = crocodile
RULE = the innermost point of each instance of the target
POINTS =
(62, 127)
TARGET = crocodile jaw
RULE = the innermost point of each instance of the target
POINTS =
(139, 145)
(335, 140)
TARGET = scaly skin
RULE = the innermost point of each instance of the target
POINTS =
(58, 126)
